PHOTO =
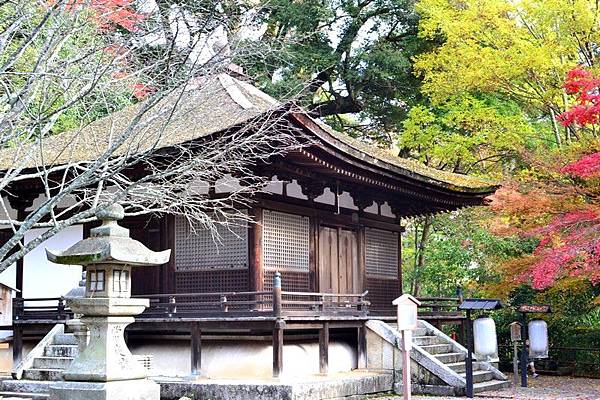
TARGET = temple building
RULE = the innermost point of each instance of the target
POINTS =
(327, 226)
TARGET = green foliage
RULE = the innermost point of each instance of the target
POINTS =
(347, 57)
(459, 253)
(466, 134)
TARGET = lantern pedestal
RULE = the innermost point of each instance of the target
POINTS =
(139, 389)
(106, 369)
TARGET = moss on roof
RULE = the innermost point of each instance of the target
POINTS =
(209, 105)
(206, 106)
(408, 167)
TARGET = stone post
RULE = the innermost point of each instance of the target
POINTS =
(105, 369)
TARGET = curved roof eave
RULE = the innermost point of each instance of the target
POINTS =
(381, 159)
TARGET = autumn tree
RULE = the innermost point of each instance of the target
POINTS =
(557, 201)
(64, 64)
(518, 50)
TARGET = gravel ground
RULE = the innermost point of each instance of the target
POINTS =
(541, 388)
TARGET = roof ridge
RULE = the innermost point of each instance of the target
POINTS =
(228, 83)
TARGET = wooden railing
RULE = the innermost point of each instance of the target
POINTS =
(442, 308)
(252, 304)
(42, 308)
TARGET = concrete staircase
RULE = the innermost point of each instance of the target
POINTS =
(437, 361)
(44, 367)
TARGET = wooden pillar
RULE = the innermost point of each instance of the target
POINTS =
(196, 350)
(278, 348)
(362, 347)
(399, 263)
(21, 202)
(256, 275)
(21, 215)
(324, 348)
(17, 344)
(278, 328)
(167, 283)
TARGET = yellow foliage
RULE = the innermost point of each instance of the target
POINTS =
(522, 48)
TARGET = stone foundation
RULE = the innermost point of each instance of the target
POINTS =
(354, 385)
(139, 389)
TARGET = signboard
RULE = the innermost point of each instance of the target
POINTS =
(515, 331)
(534, 308)
(407, 312)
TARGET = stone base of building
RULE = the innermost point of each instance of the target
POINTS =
(139, 389)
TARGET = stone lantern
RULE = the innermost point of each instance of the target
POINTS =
(106, 370)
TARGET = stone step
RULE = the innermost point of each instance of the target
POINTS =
(459, 367)
(420, 332)
(52, 362)
(490, 385)
(22, 396)
(65, 339)
(427, 340)
(61, 350)
(26, 386)
(46, 374)
(480, 376)
(438, 348)
(448, 358)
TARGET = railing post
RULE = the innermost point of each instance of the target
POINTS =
(277, 294)
(172, 306)
(224, 305)
(17, 345)
(278, 328)
(18, 308)
(61, 309)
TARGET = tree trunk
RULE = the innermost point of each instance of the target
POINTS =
(555, 127)
(420, 260)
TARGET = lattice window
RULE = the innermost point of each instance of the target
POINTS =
(381, 294)
(285, 241)
(381, 253)
(197, 249)
(212, 281)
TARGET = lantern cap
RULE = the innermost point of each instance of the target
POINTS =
(406, 299)
(109, 243)
(480, 304)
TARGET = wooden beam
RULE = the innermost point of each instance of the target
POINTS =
(196, 350)
(362, 347)
(327, 215)
(324, 348)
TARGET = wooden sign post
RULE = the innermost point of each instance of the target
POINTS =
(407, 322)
(515, 337)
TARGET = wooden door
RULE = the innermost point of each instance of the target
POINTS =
(338, 261)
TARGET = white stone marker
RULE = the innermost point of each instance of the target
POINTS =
(106, 370)
(407, 322)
